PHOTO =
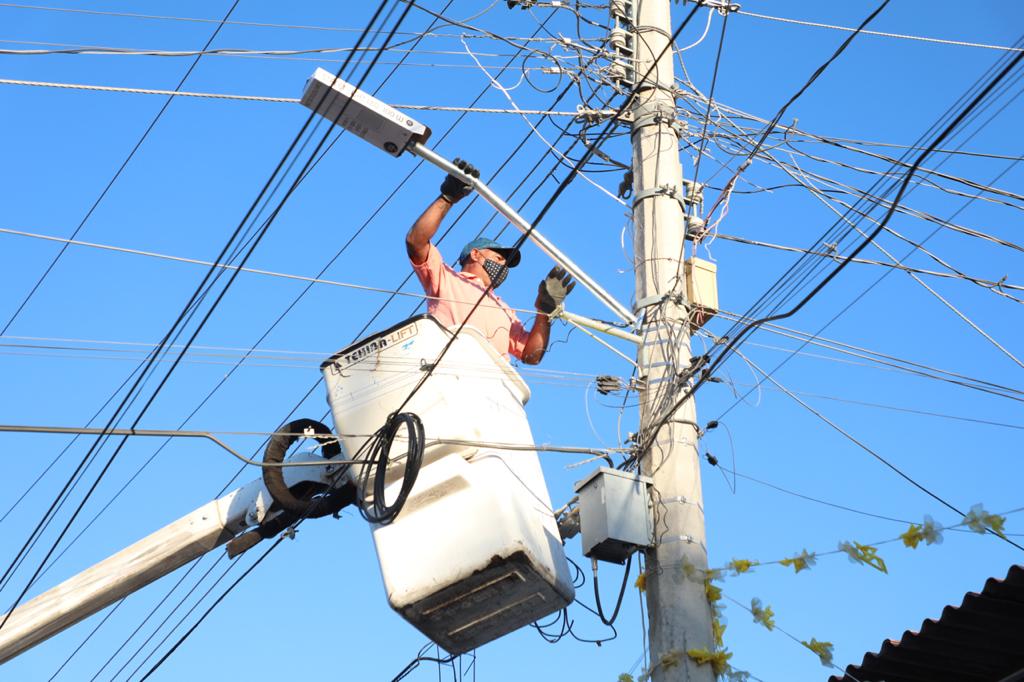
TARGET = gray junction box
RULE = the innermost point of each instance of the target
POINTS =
(381, 125)
(615, 514)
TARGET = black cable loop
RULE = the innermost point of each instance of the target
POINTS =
(375, 466)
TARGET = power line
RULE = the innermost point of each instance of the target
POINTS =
(117, 174)
(956, 379)
(791, 136)
(109, 50)
(568, 179)
(256, 271)
(902, 36)
(277, 100)
(167, 595)
(659, 423)
(811, 499)
(846, 434)
(307, 27)
(834, 505)
(181, 317)
(53, 508)
(735, 339)
(949, 305)
(373, 215)
(883, 359)
(881, 406)
(988, 283)
(181, 640)
(711, 98)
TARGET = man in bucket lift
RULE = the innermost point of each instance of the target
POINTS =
(485, 264)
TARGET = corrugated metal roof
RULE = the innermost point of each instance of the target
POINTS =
(982, 640)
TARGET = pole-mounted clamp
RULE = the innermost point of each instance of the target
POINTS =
(685, 539)
(585, 115)
(648, 301)
(721, 6)
(670, 191)
(660, 118)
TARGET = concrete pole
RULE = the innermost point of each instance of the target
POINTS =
(679, 613)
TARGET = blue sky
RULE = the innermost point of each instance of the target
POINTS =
(316, 605)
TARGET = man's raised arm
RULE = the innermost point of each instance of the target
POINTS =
(417, 241)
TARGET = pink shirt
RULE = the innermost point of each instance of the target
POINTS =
(453, 294)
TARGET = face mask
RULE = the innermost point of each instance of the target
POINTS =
(496, 271)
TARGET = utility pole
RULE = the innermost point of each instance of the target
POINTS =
(679, 613)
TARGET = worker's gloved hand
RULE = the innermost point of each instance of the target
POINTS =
(454, 189)
(553, 289)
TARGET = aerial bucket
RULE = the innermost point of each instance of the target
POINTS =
(475, 552)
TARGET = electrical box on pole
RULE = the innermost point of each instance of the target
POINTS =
(615, 514)
(701, 290)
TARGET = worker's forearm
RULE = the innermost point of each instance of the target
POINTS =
(537, 342)
(423, 230)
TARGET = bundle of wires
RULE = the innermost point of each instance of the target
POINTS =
(374, 465)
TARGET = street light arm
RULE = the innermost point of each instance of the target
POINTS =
(499, 204)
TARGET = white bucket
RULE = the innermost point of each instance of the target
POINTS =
(475, 552)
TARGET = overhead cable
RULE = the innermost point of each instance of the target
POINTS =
(372, 216)
(43, 523)
(883, 360)
(876, 405)
(277, 100)
(736, 338)
(176, 330)
(545, 208)
(110, 183)
(989, 283)
(883, 34)
(846, 434)
(222, 52)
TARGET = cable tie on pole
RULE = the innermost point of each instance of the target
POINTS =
(654, 29)
(662, 117)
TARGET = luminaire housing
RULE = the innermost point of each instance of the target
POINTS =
(362, 114)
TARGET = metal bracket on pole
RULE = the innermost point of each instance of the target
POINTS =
(598, 326)
(520, 223)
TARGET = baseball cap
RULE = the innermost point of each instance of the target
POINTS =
(511, 255)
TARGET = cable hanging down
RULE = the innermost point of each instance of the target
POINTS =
(376, 463)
